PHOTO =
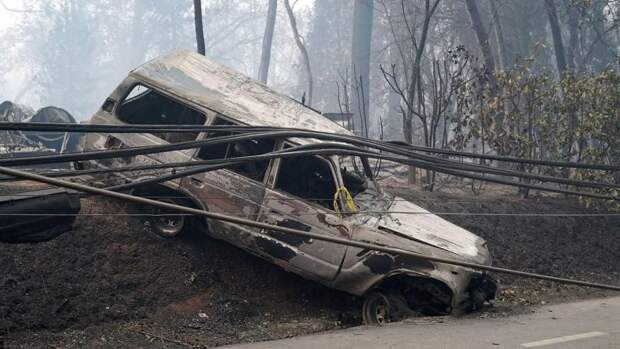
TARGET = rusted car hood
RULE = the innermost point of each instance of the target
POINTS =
(413, 222)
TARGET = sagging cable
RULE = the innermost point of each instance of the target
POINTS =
(420, 164)
(316, 150)
(86, 128)
(106, 154)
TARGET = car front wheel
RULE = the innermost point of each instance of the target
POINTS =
(376, 309)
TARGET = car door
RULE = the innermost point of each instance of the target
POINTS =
(299, 195)
(237, 191)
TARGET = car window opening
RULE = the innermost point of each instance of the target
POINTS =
(144, 106)
(255, 170)
(216, 151)
(308, 177)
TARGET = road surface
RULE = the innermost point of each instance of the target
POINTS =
(586, 324)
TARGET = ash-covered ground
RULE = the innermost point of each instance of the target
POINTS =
(110, 283)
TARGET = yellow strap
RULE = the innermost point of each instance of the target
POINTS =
(348, 201)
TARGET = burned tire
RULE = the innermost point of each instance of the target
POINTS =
(167, 223)
(376, 309)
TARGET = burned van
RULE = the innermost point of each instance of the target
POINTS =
(329, 195)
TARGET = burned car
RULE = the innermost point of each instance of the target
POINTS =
(307, 192)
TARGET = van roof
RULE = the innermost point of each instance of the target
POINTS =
(194, 77)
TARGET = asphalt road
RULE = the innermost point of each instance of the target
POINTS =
(586, 324)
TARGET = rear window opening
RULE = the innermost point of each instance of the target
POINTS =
(216, 151)
(255, 170)
(145, 106)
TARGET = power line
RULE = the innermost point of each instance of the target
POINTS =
(413, 159)
(317, 149)
(51, 127)
(433, 200)
(442, 200)
(314, 214)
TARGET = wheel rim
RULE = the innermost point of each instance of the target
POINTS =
(381, 313)
(167, 225)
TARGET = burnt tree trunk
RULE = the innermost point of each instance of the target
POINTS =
(499, 34)
(200, 36)
(429, 10)
(360, 60)
(481, 35)
(485, 48)
(560, 59)
(263, 70)
(573, 37)
(556, 34)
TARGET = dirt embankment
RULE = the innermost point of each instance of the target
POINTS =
(112, 283)
(111, 274)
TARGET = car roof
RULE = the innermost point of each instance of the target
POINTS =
(193, 77)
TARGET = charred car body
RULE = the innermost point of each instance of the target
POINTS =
(307, 192)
